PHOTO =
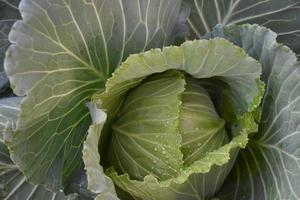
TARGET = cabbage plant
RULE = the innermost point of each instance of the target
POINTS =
(134, 99)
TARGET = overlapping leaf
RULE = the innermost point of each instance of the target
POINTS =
(99, 183)
(201, 59)
(282, 16)
(63, 52)
(270, 166)
(149, 121)
(13, 184)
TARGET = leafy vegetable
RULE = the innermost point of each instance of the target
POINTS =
(63, 52)
(147, 141)
(106, 91)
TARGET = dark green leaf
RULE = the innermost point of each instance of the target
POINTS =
(282, 16)
(9, 13)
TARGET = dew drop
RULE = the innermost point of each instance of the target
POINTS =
(164, 152)
(155, 149)
(154, 161)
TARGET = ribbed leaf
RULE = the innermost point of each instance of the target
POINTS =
(202, 59)
(63, 52)
(270, 166)
(13, 184)
(282, 16)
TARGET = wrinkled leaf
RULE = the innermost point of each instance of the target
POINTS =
(62, 53)
(270, 166)
(98, 183)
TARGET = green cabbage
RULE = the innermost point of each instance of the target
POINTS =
(149, 145)
(109, 108)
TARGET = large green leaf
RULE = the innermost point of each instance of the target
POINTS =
(9, 13)
(282, 16)
(13, 184)
(202, 59)
(270, 166)
(63, 52)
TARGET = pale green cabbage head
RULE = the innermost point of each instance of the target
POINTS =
(176, 125)
(169, 106)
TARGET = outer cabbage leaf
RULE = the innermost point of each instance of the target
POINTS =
(9, 13)
(283, 17)
(198, 58)
(63, 51)
(98, 181)
(13, 184)
(270, 166)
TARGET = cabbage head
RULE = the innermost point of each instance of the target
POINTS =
(173, 128)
